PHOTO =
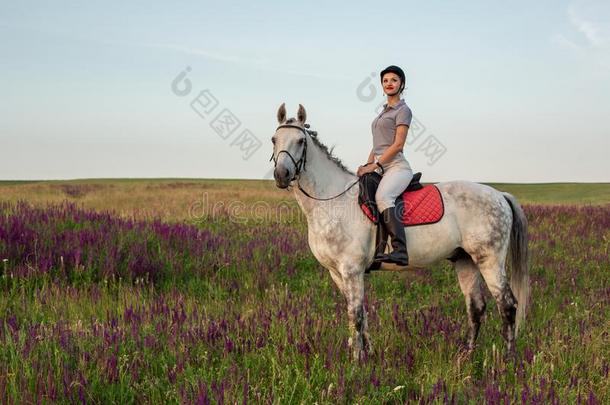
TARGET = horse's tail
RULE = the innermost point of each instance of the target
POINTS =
(519, 258)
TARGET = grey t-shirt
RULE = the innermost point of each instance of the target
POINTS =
(384, 126)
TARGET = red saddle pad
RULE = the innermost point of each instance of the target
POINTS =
(423, 206)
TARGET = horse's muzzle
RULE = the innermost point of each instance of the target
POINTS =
(282, 177)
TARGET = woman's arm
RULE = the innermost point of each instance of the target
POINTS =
(365, 168)
(399, 142)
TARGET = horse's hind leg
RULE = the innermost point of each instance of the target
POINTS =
(471, 282)
(494, 274)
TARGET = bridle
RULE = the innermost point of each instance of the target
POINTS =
(301, 163)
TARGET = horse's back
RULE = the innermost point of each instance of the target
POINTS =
(469, 195)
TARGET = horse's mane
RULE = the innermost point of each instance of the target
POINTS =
(323, 148)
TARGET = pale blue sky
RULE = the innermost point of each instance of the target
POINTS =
(514, 91)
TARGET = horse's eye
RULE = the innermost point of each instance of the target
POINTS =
(273, 141)
(301, 141)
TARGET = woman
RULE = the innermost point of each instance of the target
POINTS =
(387, 158)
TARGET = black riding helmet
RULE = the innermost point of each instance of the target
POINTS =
(396, 70)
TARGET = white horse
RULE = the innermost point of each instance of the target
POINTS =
(479, 227)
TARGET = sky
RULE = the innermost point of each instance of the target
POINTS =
(500, 91)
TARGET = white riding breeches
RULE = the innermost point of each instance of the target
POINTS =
(396, 177)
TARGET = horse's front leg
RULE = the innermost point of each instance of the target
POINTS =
(368, 344)
(353, 289)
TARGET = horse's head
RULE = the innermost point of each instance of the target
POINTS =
(289, 146)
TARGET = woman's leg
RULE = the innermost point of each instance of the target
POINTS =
(394, 181)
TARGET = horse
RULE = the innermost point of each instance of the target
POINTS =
(481, 231)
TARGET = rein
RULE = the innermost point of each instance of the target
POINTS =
(300, 164)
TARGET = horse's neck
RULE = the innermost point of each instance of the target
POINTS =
(323, 179)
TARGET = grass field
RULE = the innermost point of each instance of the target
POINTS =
(181, 199)
(172, 291)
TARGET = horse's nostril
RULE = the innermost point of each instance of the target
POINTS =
(280, 172)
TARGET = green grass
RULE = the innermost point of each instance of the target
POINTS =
(285, 333)
(541, 193)
(558, 193)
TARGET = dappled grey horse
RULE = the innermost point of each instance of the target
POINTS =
(479, 228)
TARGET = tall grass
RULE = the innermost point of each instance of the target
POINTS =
(97, 308)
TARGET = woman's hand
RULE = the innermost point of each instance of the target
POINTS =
(364, 169)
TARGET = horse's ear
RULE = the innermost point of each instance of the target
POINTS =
(281, 113)
(301, 114)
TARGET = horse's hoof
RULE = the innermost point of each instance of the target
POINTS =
(510, 356)
(465, 353)
(357, 355)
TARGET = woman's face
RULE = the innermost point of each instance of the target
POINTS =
(390, 83)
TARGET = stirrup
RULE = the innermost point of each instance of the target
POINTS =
(396, 259)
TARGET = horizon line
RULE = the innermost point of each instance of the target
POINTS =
(250, 179)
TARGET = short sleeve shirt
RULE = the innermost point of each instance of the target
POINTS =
(384, 126)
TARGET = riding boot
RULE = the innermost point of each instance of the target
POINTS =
(396, 230)
(381, 239)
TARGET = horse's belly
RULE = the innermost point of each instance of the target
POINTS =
(427, 244)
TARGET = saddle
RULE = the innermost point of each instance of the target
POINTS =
(418, 204)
